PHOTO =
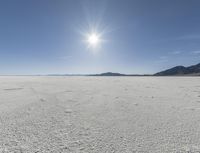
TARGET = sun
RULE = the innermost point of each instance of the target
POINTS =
(93, 40)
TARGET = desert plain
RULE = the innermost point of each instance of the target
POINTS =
(63, 114)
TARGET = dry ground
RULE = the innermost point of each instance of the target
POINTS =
(99, 114)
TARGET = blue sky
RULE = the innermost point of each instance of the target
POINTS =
(139, 36)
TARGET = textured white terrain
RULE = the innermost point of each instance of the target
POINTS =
(99, 114)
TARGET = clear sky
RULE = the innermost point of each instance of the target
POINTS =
(137, 36)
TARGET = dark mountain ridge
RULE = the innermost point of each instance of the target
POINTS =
(181, 70)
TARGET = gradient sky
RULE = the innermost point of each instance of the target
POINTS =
(141, 36)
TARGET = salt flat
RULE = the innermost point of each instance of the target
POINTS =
(99, 114)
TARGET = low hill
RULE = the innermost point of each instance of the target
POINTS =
(108, 74)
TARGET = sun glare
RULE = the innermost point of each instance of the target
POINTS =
(93, 39)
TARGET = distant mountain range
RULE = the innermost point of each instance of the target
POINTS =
(108, 74)
(193, 70)
(116, 74)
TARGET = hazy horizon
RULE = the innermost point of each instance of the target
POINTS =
(92, 36)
